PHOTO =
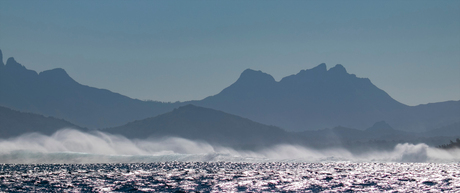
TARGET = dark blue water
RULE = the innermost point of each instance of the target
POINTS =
(231, 177)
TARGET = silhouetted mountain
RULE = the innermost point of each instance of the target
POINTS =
(198, 123)
(55, 93)
(310, 100)
(321, 98)
(14, 123)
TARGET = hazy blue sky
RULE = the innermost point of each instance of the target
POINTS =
(184, 50)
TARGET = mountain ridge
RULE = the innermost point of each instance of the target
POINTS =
(309, 100)
(315, 93)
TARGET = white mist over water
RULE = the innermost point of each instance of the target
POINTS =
(73, 146)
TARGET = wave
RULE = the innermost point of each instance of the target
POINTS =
(73, 146)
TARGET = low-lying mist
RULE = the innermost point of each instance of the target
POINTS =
(73, 146)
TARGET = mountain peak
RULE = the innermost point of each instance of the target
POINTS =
(321, 67)
(57, 74)
(14, 66)
(338, 69)
(11, 62)
(250, 75)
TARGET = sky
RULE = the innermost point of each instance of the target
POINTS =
(187, 50)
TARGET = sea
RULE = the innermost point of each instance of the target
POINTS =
(177, 176)
(72, 161)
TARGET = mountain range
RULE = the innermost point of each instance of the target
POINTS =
(319, 98)
(313, 99)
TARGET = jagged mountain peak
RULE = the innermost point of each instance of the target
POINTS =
(315, 93)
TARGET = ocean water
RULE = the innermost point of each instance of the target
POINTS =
(73, 161)
(231, 177)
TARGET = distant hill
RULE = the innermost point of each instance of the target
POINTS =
(55, 93)
(320, 98)
(212, 126)
(14, 123)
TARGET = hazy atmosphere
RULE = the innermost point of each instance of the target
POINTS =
(188, 50)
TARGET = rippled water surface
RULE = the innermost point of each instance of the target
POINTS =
(231, 177)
